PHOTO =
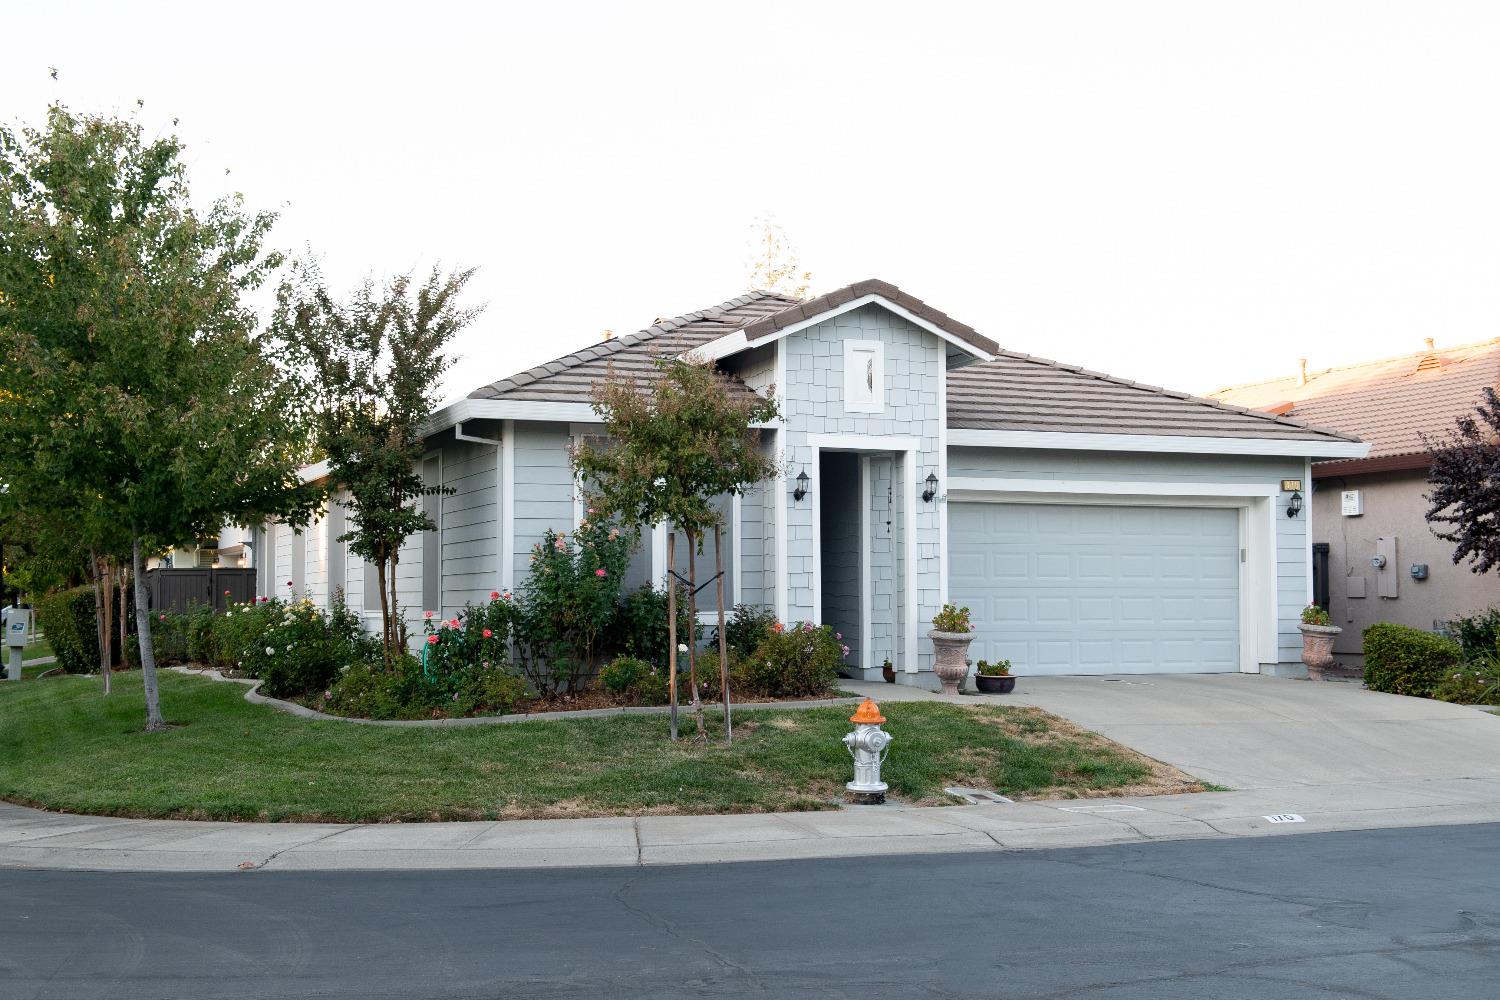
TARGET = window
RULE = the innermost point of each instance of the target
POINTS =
(864, 376)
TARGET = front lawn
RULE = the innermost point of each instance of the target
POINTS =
(64, 746)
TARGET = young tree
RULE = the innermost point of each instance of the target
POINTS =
(672, 446)
(372, 366)
(1465, 480)
(776, 266)
(137, 394)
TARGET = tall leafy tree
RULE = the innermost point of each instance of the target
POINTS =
(1465, 481)
(137, 396)
(372, 365)
(671, 447)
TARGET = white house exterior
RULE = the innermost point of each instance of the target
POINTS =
(1092, 525)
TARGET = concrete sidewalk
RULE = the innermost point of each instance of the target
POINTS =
(1318, 757)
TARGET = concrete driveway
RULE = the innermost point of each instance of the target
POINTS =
(1252, 731)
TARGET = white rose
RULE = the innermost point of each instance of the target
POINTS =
(270, 651)
(682, 647)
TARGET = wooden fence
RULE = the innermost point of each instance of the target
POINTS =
(178, 589)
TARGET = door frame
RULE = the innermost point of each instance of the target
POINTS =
(903, 451)
(1257, 533)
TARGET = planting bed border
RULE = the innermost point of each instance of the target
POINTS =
(254, 696)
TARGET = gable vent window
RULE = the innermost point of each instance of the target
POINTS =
(864, 376)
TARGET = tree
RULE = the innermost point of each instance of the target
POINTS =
(671, 446)
(776, 266)
(138, 399)
(372, 366)
(1465, 481)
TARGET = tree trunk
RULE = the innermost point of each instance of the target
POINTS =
(692, 645)
(107, 650)
(99, 618)
(154, 722)
(385, 615)
(723, 647)
(672, 628)
(124, 615)
(398, 624)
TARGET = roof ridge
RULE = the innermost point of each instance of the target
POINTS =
(1172, 393)
(1491, 341)
(614, 345)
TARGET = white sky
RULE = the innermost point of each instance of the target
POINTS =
(1188, 194)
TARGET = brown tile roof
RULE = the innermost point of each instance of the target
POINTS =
(1391, 402)
(870, 286)
(1012, 392)
(1019, 392)
(570, 379)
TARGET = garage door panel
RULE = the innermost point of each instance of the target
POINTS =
(1077, 588)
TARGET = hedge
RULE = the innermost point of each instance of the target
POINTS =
(67, 619)
(1404, 660)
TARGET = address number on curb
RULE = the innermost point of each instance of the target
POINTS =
(1284, 818)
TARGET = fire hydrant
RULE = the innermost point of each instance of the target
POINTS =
(867, 745)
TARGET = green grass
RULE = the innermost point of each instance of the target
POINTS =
(36, 650)
(64, 746)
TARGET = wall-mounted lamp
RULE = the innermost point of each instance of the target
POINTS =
(216, 562)
(932, 485)
(801, 491)
(1294, 505)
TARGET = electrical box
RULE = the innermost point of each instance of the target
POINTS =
(1388, 582)
(1351, 503)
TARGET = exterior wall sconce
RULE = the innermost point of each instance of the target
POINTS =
(801, 491)
(1294, 505)
(216, 562)
(932, 485)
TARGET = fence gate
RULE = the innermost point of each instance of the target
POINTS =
(179, 589)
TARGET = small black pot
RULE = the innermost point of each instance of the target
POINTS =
(990, 684)
(889, 673)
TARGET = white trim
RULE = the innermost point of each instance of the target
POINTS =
(1306, 515)
(783, 594)
(817, 537)
(736, 563)
(909, 464)
(1256, 503)
(507, 497)
(875, 404)
(866, 628)
(459, 435)
(964, 437)
(864, 442)
(734, 343)
(659, 555)
(942, 473)
(964, 487)
(312, 473)
(577, 483)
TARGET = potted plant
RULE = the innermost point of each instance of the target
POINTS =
(951, 634)
(994, 678)
(888, 671)
(1318, 634)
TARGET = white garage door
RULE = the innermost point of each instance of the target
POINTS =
(1076, 589)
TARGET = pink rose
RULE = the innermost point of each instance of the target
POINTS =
(162, 618)
(494, 595)
(429, 615)
(600, 572)
(488, 634)
(507, 595)
(226, 593)
(289, 583)
(432, 640)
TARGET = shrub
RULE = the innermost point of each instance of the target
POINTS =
(470, 641)
(369, 689)
(297, 649)
(951, 619)
(1477, 634)
(1315, 615)
(1402, 660)
(67, 619)
(639, 626)
(792, 662)
(1475, 683)
(566, 602)
(623, 673)
(747, 627)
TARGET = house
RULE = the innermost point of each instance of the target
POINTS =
(1093, 525)
(1376, 558)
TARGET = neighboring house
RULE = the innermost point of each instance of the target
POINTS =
(232, 549)
(1371, 510)
(1093, 525)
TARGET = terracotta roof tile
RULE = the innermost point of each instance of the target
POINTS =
(1390, 402)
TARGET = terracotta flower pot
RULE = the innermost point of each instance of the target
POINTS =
(1317, 648)
(952, 663)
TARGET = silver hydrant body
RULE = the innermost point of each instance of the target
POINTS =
(867, 745)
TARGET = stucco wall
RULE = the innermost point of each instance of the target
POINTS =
(1393, 507)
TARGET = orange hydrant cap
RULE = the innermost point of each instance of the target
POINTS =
(868, 714)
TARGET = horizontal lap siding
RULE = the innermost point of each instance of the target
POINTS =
(470, 542)
(543, 488)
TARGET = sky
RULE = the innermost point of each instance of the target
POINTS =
(1184, 194)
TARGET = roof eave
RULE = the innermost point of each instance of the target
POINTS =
(1171, 444)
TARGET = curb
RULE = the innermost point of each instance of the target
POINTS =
(254, 696)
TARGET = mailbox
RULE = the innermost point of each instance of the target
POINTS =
(17, 625)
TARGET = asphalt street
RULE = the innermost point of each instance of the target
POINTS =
(1412, 913)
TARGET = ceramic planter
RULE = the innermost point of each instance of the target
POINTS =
(952, 663)
(889, 673)
(995, 683)
(1317, 648)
